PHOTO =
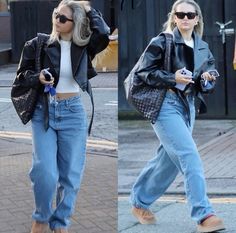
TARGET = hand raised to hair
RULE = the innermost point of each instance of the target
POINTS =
(86, 5)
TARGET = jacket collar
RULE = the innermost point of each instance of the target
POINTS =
(177, 36)
(199, 46)
(53, 50)
(198, 43)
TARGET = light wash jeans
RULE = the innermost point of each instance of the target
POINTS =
(177, 152)
(58, 160)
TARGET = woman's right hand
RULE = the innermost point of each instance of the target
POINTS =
(43, 80)
(182, 79)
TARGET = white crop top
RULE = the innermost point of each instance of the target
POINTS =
(190, 43)
(66, 83)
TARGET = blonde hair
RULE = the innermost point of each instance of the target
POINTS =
(81, 30)
(169, 25)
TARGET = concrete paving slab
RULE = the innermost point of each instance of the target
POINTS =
(96, 209)
(216, 143)
(173, 217)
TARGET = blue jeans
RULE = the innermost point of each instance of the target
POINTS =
(58, 160)
(177, 152)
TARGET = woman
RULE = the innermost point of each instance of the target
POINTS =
(191, 60)
(59, 149)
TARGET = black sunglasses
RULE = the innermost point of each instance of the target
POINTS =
(62, 18)
(181, 15)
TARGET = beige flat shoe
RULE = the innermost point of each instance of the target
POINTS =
(144, 216)
(39, 227)
(60, 231)
(211, 224)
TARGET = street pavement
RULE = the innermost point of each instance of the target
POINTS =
(216, 143)
(172, 215)
(96, 209)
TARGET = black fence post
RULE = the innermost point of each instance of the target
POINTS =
(28, 18)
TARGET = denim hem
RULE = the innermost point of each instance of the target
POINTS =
(140, 206)
(134, 203)
(40, 221)
(204, 216)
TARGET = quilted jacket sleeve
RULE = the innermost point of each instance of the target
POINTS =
(150, 68)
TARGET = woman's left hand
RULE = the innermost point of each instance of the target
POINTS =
(208, 77)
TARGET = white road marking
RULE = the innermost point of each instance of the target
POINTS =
(111, 103)
(219, 200)
(99, 144)
(5, 100)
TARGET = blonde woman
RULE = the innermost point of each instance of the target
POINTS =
(192, 63)
(59, 125)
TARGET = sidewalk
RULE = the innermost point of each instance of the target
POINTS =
(216, 143)
(173, 216)
(97, 202)
(96, 209)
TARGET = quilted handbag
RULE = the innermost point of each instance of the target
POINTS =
(146, 99)
(24, 98)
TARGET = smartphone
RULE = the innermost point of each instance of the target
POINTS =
(47, 75)
(214, 73)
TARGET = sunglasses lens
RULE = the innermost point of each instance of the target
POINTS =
(191, 15)
(62, 19)
(181, 15)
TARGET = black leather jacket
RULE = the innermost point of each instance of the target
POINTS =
(197, 60)
(81, 57)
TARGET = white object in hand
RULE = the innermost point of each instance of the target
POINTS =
(213, 73)
(186, 72)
